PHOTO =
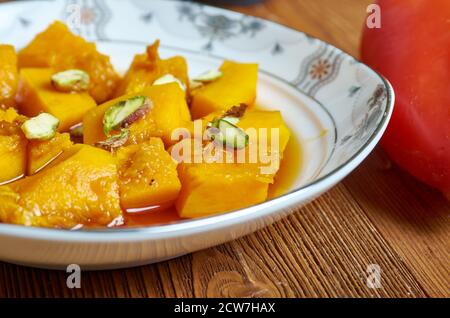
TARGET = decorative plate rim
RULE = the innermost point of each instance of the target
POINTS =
(172, 230)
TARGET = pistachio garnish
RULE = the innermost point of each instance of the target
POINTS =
(169, 78)
(125, 112)
(194, 85)
(231, 120)
(114, 141)
(76, 131)
(208, 76)
(138, 114)
(70, 81)
(223, 131)
(41, 127)
(236, 111)
(202, 79)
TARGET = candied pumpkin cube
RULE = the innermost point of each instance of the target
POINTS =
(148, 67)
(215, 186)
(169, 111)
(58, 48)
(42, 152)
(266, 125)
(93, 121)
(211, 188)
(261, 124)
(262, 119)
(147, 175)
(80, 187)
(236, 86)
(9, 76)
(13, 151)
(36, 95)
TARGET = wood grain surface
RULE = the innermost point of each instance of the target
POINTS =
(377, 215)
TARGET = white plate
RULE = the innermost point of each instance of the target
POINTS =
(337, 107)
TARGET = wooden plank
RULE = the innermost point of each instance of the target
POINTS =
(337, 22)
(413, 217)
(322, 251)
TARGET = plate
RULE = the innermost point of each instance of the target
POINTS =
(335, 106)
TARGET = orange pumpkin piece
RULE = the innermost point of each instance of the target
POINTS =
(58, 48)
(148, 67)
(42, 152)
(236, 86)
(93, 121)
(8, 76)
(80, 187)
(147, 175)
(211, 188)
(267, 125)
(36, 95)
(216, 187)
(13, 145)
(264, 119)
(260, 120)
(169, 112)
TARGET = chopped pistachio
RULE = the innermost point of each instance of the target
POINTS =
(232, 116)
(225, 132)
(236, 111)
(41, 127)
(120, 113)
(194, 84)
(208, 76)
(232, 120)
(70, 81)
(138, 114)
(169, 78)
(114, 141)
(76, 131)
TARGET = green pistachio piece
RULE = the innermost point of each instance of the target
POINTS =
(76, 131)
(208, 76)
(169, 78)
(236, 111)
(115, 141)
(71, 81)
(194, 85)
(41, 127)
(225, 132)
(118, 113)
(232, 120)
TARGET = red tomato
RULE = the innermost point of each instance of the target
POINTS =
(412, 50)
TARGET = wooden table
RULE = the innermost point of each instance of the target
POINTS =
(378, 215)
